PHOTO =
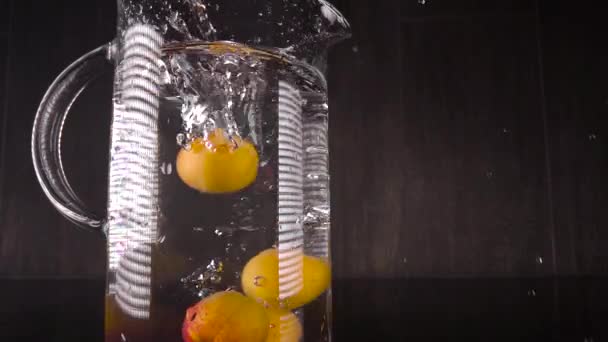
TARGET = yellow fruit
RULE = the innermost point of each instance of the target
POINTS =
(227, 317)
(218, 164)
(260, 279)
(284, 326)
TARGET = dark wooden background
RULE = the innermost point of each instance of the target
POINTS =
(468, 138)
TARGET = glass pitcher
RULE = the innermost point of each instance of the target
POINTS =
(218, 212)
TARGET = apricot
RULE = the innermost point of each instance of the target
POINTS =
(260, 280)
(226, 316)
(284, 326)
(218, 164)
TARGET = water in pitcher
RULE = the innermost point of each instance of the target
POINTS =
(243, 136)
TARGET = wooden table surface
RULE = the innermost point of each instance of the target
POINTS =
(525, 309)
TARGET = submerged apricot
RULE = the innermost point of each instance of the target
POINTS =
(260, 279)
(218, 164)
(227, 317)
(284, 326)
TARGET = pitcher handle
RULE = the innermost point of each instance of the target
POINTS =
(46, 135)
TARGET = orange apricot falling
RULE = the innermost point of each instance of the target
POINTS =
(218, 164)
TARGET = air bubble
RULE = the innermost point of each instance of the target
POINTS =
(259, 281)
(166, 169)
(181, 139)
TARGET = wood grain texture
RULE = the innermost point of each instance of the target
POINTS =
(6, 27)
(443, 117)
(35, 239)
(365, 124)
(476, 196)
(575, 72)
(458, 10)
(438, 156)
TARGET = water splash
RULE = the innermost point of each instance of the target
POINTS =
(205, 280)
(220, 90)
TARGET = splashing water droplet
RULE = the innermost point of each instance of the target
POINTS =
(539, 260)
(592, 136)
(532, 293)
(423, 2)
